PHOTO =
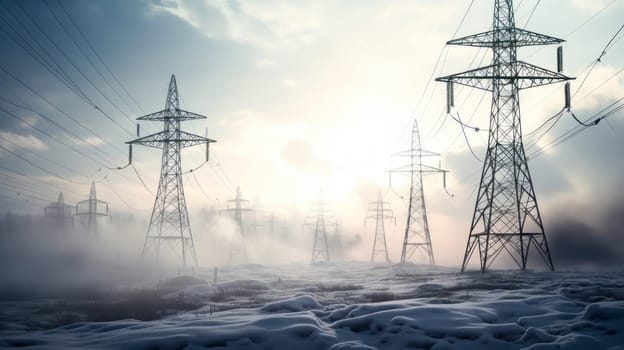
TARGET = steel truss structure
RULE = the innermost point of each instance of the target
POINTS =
(238, 246)
(169, 221)
(380, 211)
(417, 239)
(506, 215)
(92, 209)
(321, 222)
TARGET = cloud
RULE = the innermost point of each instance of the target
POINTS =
(593, 5)
(578, 242)
(299, 153)
(266, 62)
(602, 85)
(14, 141)
(289, 82)
(93, 140)
(262, 24)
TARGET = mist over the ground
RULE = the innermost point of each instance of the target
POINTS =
(578, 242)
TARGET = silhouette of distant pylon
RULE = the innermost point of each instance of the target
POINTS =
(238, 244)
(380, 211)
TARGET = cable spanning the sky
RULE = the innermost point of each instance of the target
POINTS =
(33, 47)
(439, 126)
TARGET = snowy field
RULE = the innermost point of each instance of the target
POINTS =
(349, 306)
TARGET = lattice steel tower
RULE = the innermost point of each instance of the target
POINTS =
(320, 222)
(506, 215)
(238, 246)
(92, 209)
(380, 211)
(58, 215)
(417, 239)
(170, 221)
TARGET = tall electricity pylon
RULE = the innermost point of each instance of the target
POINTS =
(238, 246)
(58, 214)
(170, 221)
(380, 211)
(506, 216)
(92, 209)
(417, 239)
(321, 222)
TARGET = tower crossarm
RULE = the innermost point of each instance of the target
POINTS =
(506, 37)
(374, 216)
(525, 74)
(87, 201)
(158, 139)
(91, 214)
(425, 169)
(178, 114)
(236, 209)
(411, 152)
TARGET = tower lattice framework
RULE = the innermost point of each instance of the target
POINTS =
(381, 212)
(169, 221)
(320, 223)
(92, 209)
(506, 215)
(417, 239)
(238, 245)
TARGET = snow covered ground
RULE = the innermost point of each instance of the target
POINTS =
(357, 306)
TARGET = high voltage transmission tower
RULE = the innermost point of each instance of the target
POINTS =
(170, 221)
(58, 215)
(380, 211)
(417, 238)
(506, 215)
(91, 210)
(238, 245)
(320, 222)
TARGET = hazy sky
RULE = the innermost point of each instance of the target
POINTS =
(301, 96)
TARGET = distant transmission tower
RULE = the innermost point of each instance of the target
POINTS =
(506, 216)
(58, 214)
(380, 211)
(238, 246)
(91, 210)
(320, 222)
(170, 221)
(417, 239)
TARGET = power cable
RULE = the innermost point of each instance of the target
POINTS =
(39, 156)
(593, 120)
(466, 138)
(141, 179)
(37, 180)
(200, 187)
(73, 64)
(21, 82)
(77, 150)
(88, 60)
(99, 57)
(40, 167)
(531, 14)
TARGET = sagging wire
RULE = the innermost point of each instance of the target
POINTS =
(431, 170)
(193, 169)
(129, 160)
(604, 113)
(200, 187)
(556, 117)
(599, 59)
(463, 128)
(593, 123)
(392, 188)
(117, 194)
(141, 179)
